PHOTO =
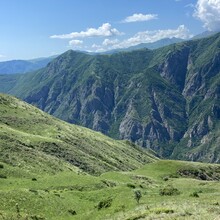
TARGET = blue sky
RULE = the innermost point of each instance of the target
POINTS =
(41, 28)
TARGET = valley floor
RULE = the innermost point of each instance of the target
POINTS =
(169, 190)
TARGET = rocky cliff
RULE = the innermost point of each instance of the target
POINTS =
(165, 99)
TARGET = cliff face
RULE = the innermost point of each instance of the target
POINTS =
(166, 99)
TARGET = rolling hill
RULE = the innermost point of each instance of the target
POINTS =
(36, 142)
(46, 166)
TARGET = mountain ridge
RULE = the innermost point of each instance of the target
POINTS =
(24, 66)
(164, 99)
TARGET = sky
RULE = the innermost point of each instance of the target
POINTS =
(41, 28)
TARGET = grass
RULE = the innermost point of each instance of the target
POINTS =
(52, 170)
(72, 195)
(36, 142)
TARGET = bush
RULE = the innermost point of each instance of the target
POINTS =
(72, 212)
(169, 191)
(3, 176)
(109, 183)
(1, 166)
(131, 185)
(33, 191)
(163, 210)
(35, 217)
(166, 178)
(137, 195)
(194, 194)
(105, 203)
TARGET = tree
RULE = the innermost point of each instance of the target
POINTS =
(137, 195)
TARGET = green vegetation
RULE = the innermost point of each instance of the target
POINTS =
(72, 195)
(7, 82)
(169, 190)
(36, 142)
(165, 99)
(46, 167)
(52, 170)
(137, 195)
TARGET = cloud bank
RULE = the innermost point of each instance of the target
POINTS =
(140, 17)
(208, 11)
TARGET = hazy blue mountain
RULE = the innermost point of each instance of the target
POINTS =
(154, 45)
(205, 34)
(23, 66)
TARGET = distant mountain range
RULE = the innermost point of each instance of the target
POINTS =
(165, 99)
(151, 46)
(23, 66)
(205, 34)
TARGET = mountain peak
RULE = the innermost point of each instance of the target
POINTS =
(164, 99)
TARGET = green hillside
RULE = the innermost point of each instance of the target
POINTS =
(46, 166)
(36, 142)
(168, 189)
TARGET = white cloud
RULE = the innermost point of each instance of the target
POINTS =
(108, 42)
(105, 30)
(208, 11)
(2, 56)
(75, 42)
(140, 17)
(96, 46)
(152, 36)
(143, 37)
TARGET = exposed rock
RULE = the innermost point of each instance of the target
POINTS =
(165, 99)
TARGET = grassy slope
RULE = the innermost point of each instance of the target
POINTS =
(38, 178)
(58, 196)
(31, 139)
(7, 82)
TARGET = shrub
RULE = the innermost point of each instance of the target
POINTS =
(35, 217)
(169, 191)
(137, 195)
(1, 166)
(3, 176)
(72, 212)
(109, 183)
(33, 191)
(164, 210)
(194, 194)
(131, 185)
(166, 178)
(104, 203)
